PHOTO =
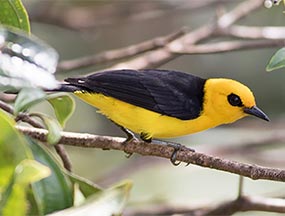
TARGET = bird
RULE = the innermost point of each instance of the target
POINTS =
(159, 103)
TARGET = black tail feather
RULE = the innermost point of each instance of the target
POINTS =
(66, 88)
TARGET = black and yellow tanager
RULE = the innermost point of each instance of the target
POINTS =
(164, 103)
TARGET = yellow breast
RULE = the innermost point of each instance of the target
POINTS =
(140, 120)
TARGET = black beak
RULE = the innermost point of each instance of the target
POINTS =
(255, 111)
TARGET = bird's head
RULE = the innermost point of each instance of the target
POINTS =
(229, 100)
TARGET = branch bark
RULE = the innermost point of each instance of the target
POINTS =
(241, 204)
(249, 203)
(185, 154)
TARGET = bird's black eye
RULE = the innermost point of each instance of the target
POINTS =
(234, 100)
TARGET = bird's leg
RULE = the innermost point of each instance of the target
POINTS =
(130, 134)
(130, 137)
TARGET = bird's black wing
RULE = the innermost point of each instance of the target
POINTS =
(171, 93)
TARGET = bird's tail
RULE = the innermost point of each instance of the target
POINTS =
(64, 87)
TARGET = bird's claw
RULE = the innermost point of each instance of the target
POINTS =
(129, 138)
(173, 157)
(177, 147)
(125, 143)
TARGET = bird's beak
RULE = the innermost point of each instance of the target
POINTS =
(255, 111)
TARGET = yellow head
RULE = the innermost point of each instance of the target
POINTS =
(227, 100)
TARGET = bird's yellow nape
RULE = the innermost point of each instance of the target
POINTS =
(225, 100)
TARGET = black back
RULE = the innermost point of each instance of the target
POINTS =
(170, 93)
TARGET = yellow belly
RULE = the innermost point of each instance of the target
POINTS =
(140, 120)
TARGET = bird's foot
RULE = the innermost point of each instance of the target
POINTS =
(130, 137)
(176, 146)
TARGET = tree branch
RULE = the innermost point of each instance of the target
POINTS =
(249, 203)
(254, 32)
(140, 147)
(230, 46)
(60, 150)
(91, 17)
(173, 49)
(160, 50)
(241, 204)
(119, 54)
(238, 13)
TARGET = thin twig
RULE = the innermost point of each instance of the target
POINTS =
(238, 13)
(22, 116)
(161, 56)
(249, 203)
(119, 54)
(88, 18)
(229, 46)
(240, 186)
(163, 49)
(185, 155)
(254, 32)
(60, 150)
(243, 203)
(7, 98)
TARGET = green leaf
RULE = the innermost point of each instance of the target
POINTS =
(29, 171)
(63, 106)
(87, 187)
(13, 150)
(277, 60)
(33, 205)
(79, 198)
(54, 192)
(106, 203)
(13, 13)
(14, 200)
(28, 97)
(52, 126)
